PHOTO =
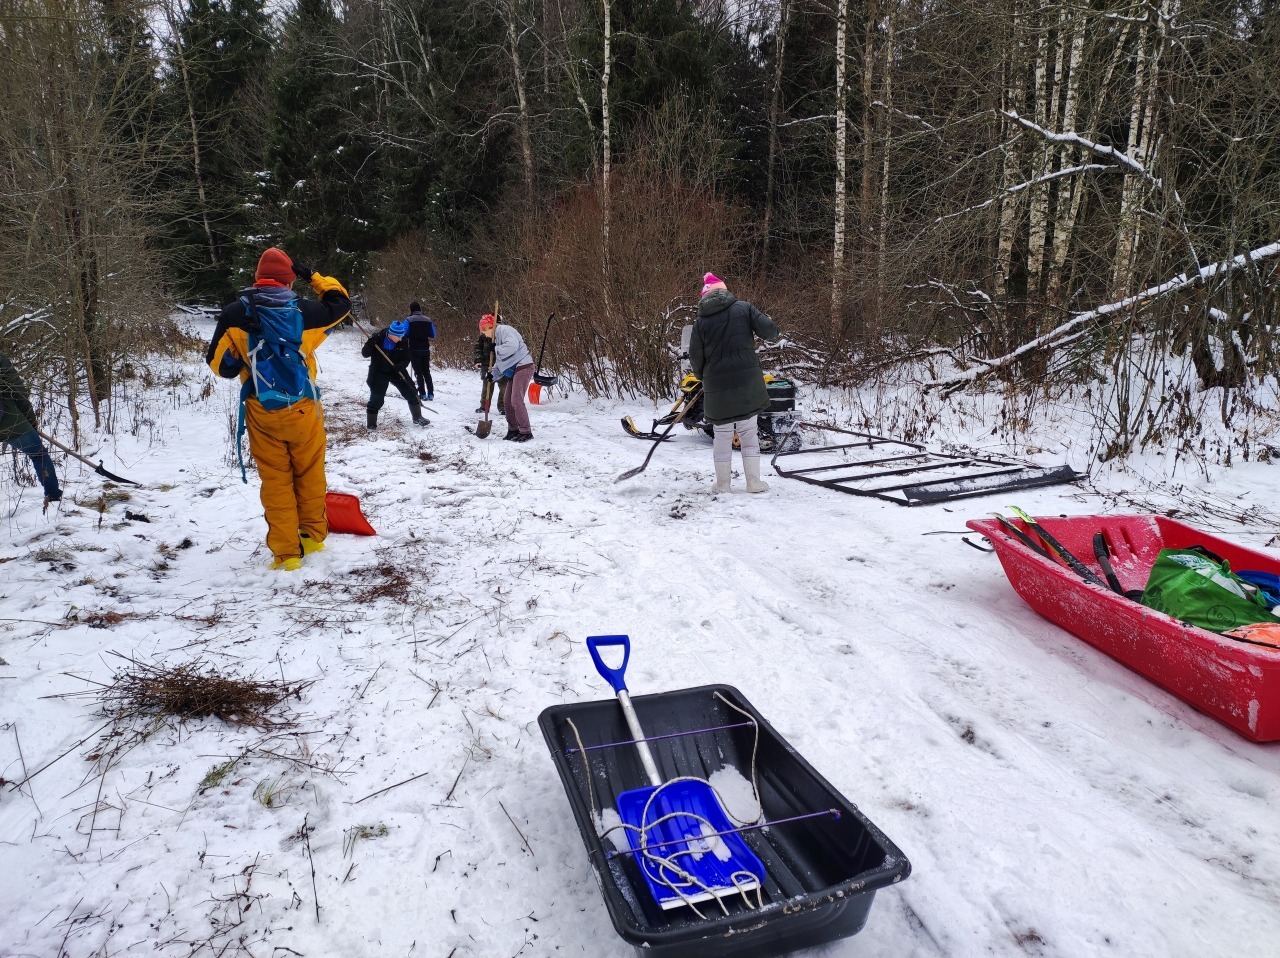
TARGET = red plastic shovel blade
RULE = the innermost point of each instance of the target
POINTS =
(343, 512)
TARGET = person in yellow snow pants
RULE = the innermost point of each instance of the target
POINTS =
(288, 446)
(267, 338)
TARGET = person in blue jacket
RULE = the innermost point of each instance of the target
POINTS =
(421, 331)
(388, 355)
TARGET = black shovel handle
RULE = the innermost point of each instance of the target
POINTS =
(97, 467)
(543, 347)
(658, 442)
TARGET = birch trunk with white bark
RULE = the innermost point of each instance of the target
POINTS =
(1011, 169)
(1140, 148)
(607, 157)
(522, 102)
(775, 99)
(841, 186)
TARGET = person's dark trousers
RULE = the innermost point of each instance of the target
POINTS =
(29, 442)
(422, 370)
(378, 383)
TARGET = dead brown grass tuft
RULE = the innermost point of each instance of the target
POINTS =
(195, 690)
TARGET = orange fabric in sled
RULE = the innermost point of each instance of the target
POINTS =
(1264, 633)
(344, 514)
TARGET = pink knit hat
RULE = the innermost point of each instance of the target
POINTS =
(710, 281)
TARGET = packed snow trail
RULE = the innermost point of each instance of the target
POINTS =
(1051, 802)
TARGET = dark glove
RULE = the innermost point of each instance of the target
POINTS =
(303, 272)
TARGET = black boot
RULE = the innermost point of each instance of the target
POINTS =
(416, 409)
(371, 418)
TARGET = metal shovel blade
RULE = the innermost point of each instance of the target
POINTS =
(483, 428)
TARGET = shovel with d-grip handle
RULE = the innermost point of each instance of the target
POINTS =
(485, 425)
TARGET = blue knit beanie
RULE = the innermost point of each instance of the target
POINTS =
(399, 327)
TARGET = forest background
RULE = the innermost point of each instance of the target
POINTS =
(1048, 198)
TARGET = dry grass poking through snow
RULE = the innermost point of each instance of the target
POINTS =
(195, 691)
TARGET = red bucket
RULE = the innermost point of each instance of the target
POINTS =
(535, 394)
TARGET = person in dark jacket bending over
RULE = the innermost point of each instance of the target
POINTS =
(421, 331)
(722, 353)
(388, 353)
(484, 359)
(18, 429)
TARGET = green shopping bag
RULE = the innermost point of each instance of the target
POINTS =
(1199, 588)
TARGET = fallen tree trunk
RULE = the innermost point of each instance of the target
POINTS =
(1080, 322)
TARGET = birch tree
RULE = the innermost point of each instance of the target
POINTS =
(841, 180)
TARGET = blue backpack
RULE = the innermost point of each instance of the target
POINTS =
(278, 373)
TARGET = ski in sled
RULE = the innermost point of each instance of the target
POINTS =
(823, 860)
(1234, 681)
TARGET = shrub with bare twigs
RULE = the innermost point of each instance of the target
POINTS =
(195, 690)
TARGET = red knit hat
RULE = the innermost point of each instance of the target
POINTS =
(275, 265)
(487, 321)
(711, 281)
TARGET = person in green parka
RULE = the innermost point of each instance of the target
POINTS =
(17, 428)
(722, 353)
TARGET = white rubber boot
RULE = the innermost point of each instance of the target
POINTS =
(724, 474)
(751, 468)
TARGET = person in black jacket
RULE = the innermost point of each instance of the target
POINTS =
(722, 353)
(484, 359)
(17, 428)
(421, 331)
(388, 353)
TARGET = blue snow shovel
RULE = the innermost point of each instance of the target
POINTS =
(687, 848)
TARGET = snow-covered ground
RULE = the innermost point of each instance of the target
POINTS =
(1051, 802)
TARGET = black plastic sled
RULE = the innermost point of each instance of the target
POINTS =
(824, 860)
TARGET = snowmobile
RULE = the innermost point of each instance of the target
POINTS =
(776, 424)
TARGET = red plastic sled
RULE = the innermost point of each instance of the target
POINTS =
(1236, 683)
(343, 512)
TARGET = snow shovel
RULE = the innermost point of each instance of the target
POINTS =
(687, 848)
(342, 512)
(644, 465)
(88, 462)
(545, 380)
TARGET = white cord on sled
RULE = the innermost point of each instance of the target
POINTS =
(744, 881)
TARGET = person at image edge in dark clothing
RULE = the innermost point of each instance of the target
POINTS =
(421, 331)
(388, 353)
(18, 428)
